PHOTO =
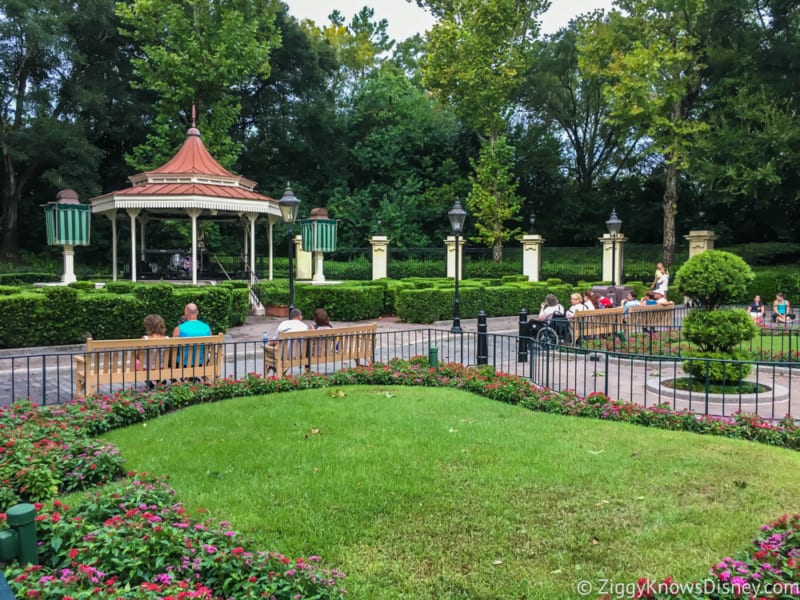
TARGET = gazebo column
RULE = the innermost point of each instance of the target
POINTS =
(112, 216)
(194, 213)
(143, 221)
(133, 213)
(251, 217)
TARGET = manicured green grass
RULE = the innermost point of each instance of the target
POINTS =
(437, 493)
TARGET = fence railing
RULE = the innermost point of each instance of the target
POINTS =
(50, 377)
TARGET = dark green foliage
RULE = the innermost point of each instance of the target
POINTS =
(214, 304)
(344, 302)
(19, 316)
(8, 290)
(489, 268)
(113, 316)
(157, 298)
(23, 278)
(240, 306)
(84, 286)
(64, 316)
(120, 287)
(715, 369)
(273, 292)
(770, 281)
(714, 277)
(719, 330)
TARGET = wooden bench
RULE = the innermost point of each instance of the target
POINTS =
(603, 322)
(650, 317)
(314, 348)
(133, 361)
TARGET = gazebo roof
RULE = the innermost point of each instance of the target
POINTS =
(190, 179)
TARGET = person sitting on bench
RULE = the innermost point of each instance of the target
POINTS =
(781, 309)
(549, 308)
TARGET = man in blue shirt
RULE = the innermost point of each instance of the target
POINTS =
(192, 327)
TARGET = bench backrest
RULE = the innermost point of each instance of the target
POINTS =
(651, 315)
(599, 322)
(299, 348)
(128, 355)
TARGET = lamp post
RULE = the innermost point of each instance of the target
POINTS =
(289, 205)
(614, 224)
(532, 221)
(457, 216)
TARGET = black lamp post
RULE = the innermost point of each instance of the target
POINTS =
(289, 205)
(457, 215)
(614, 224)
(532, 221)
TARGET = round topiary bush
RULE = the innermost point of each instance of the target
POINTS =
(717, 368)
(718, 330)
(713, 278)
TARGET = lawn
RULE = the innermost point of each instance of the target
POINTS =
(436, 493)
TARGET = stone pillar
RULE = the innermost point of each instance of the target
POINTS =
(532, 256)
(302, 260)
(450, 244)
(380, 256)
(69, 264)
(700, 241)
(613, 256)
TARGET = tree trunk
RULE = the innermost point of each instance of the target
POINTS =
(670, 208)
(497, 251)
(8, 250)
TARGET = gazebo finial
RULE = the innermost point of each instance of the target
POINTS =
(194, 115)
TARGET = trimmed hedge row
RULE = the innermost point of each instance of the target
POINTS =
(53, 316)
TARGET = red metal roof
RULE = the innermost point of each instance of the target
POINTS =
(193, 157)
(193, 189)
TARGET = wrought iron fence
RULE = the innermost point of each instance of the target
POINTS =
(49, 377)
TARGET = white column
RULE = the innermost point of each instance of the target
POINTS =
(69, 264)
(194, 213)
(532, 256)
(112, 216)
(380, 255)
(133, 213)
(450, 244)
(613, 254)
(251, 217)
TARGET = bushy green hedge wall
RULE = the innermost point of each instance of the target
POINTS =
(19, 316)
(344, 302)
(27, 278)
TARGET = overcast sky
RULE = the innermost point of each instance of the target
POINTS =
(405, 18)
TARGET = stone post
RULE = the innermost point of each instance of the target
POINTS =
(613, 257)
(532, 256)
(380, 256)
(302, 260)
(450, 244)
(700, 241)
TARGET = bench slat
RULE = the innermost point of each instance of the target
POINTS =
(315, 347)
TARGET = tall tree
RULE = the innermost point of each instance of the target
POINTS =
(653, 58)
(476, 62)
(57, 92)
(196, 52)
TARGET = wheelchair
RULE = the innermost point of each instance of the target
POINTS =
(555, 331)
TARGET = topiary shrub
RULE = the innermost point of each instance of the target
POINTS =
(717, 368)
(714, 277)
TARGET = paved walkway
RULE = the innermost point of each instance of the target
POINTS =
(46, 375)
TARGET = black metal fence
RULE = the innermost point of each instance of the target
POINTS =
(49, 377)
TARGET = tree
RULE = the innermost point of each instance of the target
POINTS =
(475, 62)
(653, 59)
(197, 53)
(63, 81)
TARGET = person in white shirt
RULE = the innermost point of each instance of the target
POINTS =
(293, 323)
(549, 307)
(575, 305)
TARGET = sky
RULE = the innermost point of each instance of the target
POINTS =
(405, 18)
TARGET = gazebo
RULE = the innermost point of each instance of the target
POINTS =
(192, 184)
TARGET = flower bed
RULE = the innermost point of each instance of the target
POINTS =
(130, 539)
